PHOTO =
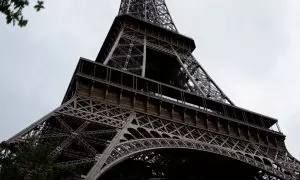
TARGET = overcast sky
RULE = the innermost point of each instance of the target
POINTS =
(251, 48)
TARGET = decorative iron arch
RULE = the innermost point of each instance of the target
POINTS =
(125, 150)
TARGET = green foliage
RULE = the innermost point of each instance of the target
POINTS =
(13, 10)
(39, 5)
(32, 163)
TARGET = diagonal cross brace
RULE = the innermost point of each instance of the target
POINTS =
(68, 141)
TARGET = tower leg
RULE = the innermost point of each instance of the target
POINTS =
(78, 132)
(96, 171)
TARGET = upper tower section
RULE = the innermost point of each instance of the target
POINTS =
(154, 11)
(143, 40)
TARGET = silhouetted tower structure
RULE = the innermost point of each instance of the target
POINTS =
(146, 109)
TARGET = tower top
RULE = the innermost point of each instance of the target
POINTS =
(154, 11)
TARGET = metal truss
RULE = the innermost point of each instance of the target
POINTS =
(208, 87)
(147, 128)
(131, 148)
(279, 158)
(283, 158)
(153, 11)
(105, 134)
(129, 53)
(95, 111)
(156, 11)
(146, 133)
(89, 125)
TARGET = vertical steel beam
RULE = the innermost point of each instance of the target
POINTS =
(144, 57)
(129, 4)
(146, 10)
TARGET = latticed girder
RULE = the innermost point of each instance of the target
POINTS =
(131, 148)
(145, 126)
(128, 55)
(84, 131)
(76, 132)
(156, 12)
(199, 81)
(208, 87)
(153, 11)
(131, 52)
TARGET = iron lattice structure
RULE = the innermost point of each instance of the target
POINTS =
(130, 58)
(146, 103)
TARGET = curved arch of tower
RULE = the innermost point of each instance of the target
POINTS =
(146, 103)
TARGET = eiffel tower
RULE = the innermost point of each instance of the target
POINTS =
(146, 109)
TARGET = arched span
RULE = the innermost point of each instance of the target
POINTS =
(128, 149)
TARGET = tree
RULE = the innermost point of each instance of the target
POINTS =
(31, 163)
(13, 10)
